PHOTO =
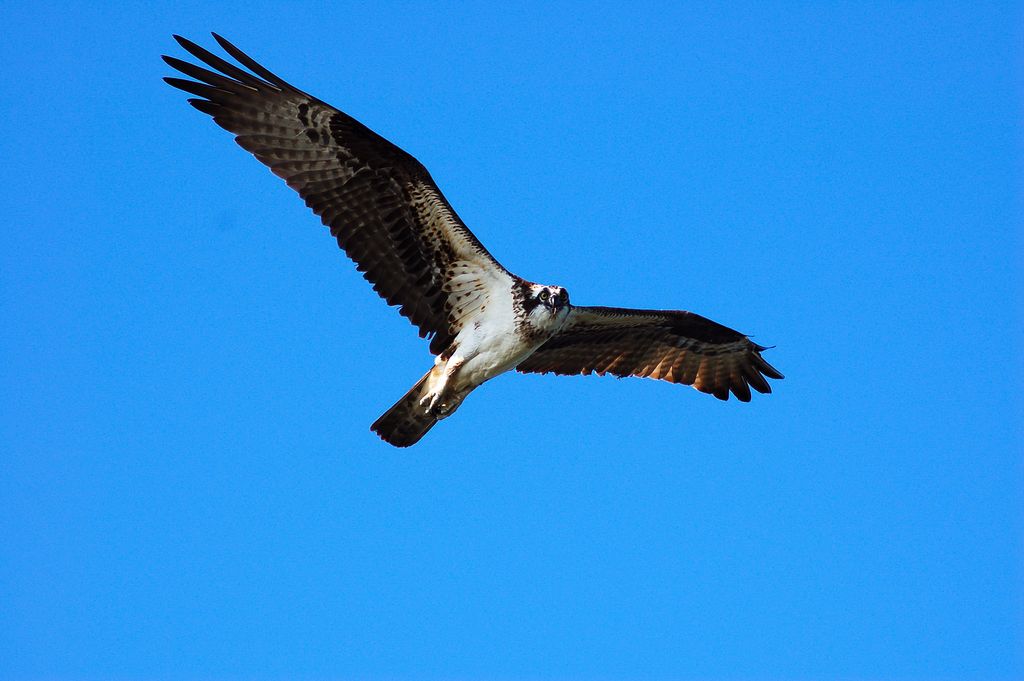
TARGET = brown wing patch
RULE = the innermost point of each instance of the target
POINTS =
(675, 346)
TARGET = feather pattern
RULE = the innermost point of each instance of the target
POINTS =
(387, 214)
(675, 346)
(379, 202)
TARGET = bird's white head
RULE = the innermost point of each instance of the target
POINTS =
(546, 307)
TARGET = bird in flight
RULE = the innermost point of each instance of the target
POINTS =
(390, 218)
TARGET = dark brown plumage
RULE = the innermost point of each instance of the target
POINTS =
(674, 346)
(379, 202)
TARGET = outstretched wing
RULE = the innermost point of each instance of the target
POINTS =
(675, 346)
(379, 202)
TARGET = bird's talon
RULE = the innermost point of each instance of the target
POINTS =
(430, 402)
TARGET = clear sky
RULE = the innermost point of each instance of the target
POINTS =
(188, 485)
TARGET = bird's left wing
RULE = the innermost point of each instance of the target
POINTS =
(671, 345)
(379, 202)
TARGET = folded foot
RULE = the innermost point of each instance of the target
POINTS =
(431, 402)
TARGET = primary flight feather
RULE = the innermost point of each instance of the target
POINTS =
(390, 218)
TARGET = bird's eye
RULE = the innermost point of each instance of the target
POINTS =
(544, 295)
(564, 296)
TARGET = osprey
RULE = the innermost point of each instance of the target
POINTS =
(390, 218)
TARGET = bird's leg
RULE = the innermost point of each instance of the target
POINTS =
(432, 400)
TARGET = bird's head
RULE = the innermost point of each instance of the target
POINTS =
(553, 297)
(546, 303)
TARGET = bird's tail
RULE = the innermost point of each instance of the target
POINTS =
(406, 422)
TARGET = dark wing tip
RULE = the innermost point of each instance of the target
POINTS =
(187, 44)
(222, 41)
(189, 86)
(761, 364)
(751, 372)
(254, 66)
(767, 369)
(210, 108)
(740, 388)
(178, 64)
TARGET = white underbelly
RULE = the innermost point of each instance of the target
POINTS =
(491, 357)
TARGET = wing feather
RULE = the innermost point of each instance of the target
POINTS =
(675, 346)
(379, 202)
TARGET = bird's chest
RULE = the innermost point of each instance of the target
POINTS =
(490, 346)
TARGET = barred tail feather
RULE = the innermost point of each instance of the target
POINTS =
(406, 422)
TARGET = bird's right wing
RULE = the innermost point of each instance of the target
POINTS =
(379, 202)
(670, 345)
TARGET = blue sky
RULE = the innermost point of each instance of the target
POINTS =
(189, 488)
